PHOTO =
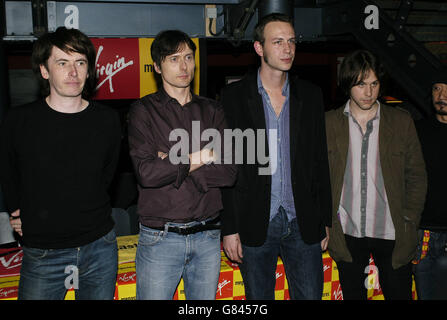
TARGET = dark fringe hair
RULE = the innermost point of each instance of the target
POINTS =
(355, 68)
(258, 33)
(168, 42)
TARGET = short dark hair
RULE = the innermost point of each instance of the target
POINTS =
(440, 75)
(258, 34)
(168, 42)
(67, 40)
(355, 67)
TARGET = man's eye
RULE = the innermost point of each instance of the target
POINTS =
(277, 42)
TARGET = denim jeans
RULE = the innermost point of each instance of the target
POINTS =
(303, 263)
(163, 258)
(46, 274)
(431, 272)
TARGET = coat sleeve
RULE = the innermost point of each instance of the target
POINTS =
(229, 215)
(415, 176)
(323, 185)
(9, 172)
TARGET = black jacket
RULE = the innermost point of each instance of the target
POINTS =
(247, 204)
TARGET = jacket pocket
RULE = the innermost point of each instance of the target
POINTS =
(149, 236)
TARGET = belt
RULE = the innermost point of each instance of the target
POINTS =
(208, 225)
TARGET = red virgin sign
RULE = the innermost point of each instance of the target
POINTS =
(117, 68)
(10, 262)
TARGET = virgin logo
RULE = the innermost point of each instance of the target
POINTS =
(221, 285)
(126, 277)
(5, 293)
(13, 261)
(338, 294)
(109, 69)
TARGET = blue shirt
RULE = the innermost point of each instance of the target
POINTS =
(281, 192)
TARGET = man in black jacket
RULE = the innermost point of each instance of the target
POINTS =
(286, 212)
(430, 268)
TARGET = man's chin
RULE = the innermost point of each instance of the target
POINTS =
(367, 107)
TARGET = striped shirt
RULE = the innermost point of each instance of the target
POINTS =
(364, 210)
(281, 190)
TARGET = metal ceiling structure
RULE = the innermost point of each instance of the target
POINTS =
(395, 30)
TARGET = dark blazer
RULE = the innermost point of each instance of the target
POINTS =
(403, 171)
(247, 204)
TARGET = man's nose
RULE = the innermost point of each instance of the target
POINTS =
(73, 70)
(443, 93)
(182, 64)
(287, 46)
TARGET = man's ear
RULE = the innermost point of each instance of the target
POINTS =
(157, 68)
(44, 72)
(258, 48)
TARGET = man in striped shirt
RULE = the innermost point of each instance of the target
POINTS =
(378, 185)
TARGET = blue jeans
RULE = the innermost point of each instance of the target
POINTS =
(163, 258)
(47, 274)
(431, 272)
(303, 263)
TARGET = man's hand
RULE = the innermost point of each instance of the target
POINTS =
(199, 158)
(15, 222)
(196, 159)
(233, 247)
(325, 241)
(162, 155)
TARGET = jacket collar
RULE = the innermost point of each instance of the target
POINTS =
(164, 98)
(385, 131)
